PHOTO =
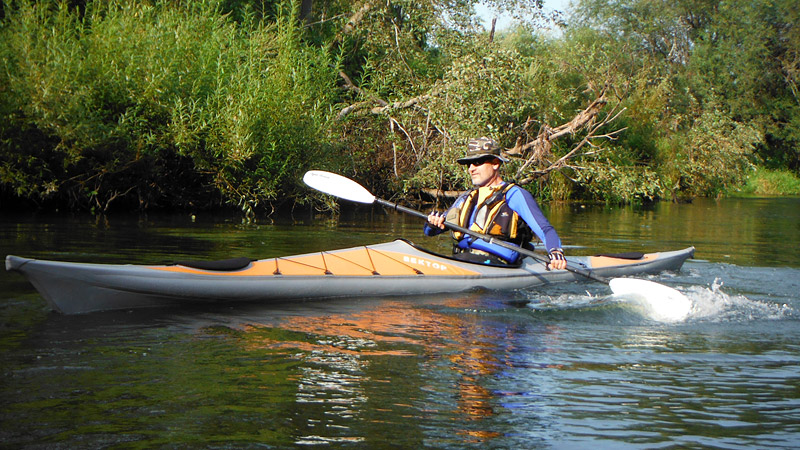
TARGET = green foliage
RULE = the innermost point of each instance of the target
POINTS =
(737, 58)
(713, 156)
(617, 183)
(488, 91)
(174, 104)
(227, 102)
(472, 98)
(766, 182)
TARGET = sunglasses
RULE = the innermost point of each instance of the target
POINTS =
(481, 161)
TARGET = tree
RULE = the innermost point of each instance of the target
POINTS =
(434, 84)
(740, 58)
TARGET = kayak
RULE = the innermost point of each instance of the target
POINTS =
(387, 269)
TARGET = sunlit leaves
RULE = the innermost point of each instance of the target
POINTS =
(128, 93)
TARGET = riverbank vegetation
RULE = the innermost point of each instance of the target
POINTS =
(765, 182)
(226, 103)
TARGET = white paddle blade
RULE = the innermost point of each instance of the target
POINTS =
(663, 303)
(338, 186)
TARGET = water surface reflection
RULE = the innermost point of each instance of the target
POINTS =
(478, 370)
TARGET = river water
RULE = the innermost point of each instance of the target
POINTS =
(510, 370)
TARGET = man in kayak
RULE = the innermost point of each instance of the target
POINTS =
(494, 207)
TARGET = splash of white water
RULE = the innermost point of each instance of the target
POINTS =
(712, 304)
(693, 303)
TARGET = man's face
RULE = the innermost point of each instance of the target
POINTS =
(484, 171)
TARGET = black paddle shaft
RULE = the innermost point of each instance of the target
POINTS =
(489, 239)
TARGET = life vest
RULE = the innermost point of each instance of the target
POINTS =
(494, 217)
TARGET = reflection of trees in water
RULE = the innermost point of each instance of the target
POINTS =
(334, 385)
(485, 348)
(399, 365)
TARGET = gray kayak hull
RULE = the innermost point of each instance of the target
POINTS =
(74, 288)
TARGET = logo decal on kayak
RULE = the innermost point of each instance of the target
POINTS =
(420, 264)
(425, 263)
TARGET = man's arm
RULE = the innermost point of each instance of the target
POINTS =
(525, 205)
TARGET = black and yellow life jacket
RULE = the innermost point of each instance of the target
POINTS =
(494, 217)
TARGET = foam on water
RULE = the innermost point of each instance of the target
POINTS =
(568, 302)
(710, 303)
(701, 304)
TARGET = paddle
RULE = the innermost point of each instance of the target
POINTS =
(666, 303)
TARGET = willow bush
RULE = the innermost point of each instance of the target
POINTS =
(158, 105)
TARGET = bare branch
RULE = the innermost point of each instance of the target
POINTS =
(438, 193)
(324, 20)
(536, 152)
(349, 85)
(399, 105)
(585, 142)
(394, 121)
(584, 118)
(383, 106)
(356, 18)
(353, 107)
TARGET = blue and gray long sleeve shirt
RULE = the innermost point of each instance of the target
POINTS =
(522, 202)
